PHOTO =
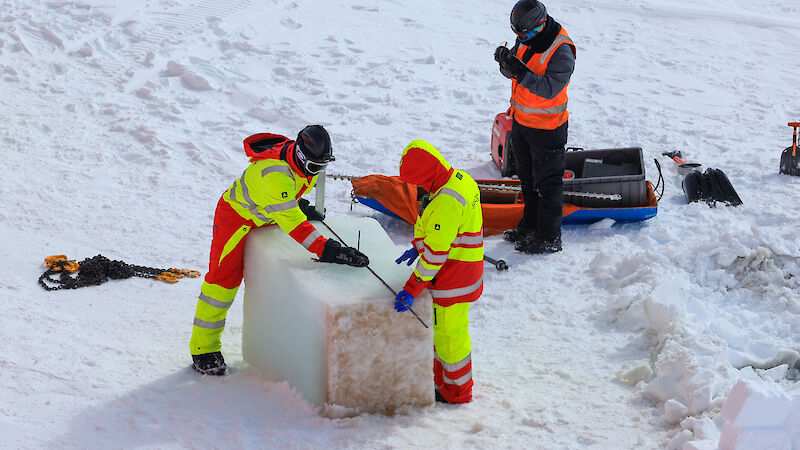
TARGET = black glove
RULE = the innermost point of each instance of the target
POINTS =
(510, 65)
(310, 212)
(334, 252)
(501, 53)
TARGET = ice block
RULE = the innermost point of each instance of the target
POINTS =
(331, 330)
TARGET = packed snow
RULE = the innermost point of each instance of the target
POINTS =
(123, 123)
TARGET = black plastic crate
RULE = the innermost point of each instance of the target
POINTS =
(607, 171)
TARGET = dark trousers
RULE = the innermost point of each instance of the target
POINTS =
(540, 162)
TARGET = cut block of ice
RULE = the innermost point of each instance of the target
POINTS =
(754, 404)
(735, 438)
(331, 330)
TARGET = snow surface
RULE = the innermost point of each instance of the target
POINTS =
(122, 125)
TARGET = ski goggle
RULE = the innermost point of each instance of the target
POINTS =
(525, 36)
(312, 167)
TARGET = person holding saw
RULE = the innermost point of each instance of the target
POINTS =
(448, 239)
(268, 193)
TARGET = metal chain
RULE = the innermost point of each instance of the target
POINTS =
(99, 269)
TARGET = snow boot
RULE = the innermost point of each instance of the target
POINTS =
(209, 363)
(439, 397)
(537, 246)
(516, 234)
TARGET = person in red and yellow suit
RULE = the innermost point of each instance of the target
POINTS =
(268, 193)
(448, 238)
(540, 66)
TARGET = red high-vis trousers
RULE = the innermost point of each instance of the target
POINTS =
(225, 273)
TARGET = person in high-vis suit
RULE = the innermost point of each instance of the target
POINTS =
(268, 193)
(539, 65)
(448, 239)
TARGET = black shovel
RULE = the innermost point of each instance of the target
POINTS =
(710, 186)
(790, 159)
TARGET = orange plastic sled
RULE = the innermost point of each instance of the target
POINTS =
(502, 209)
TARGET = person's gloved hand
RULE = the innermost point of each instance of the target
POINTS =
(403, 296)
(501, 53)
(310, 212)
(510, 65)
(410, 255)
(335, 252)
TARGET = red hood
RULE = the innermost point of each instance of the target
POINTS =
(424, 166)
(272, 146)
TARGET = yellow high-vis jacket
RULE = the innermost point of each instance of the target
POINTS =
(448, 233)
(268, 190)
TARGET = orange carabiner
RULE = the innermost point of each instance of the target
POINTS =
(186, 272)
(59, 262)
(168, 277)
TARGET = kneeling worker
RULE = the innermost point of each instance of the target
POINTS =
(268, 193)
(448, 238)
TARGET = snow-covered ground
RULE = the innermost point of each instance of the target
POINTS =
(122, 125)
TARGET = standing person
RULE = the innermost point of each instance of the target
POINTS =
(539, 65)
(448, 238)
(268, 193)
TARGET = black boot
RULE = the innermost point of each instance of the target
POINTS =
(536, 246)
(209, 363)
(516, 234)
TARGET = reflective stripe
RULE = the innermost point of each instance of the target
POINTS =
(449, 293)
(214, 302)
(278, 169)
(458, 381)
(452, 193)
(234, 240)
(468, 240)
(311, 238)
(276, 207)
(455, 366)
(551, 110)
(426, 272)
(250, 205)
(433, 258)
(558, 40)
(246, 191)
(209, 325)
(419, 245)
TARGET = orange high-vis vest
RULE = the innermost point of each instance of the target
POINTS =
(531, 110)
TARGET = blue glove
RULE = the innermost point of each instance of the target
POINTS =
(405, 296)
(410, 255)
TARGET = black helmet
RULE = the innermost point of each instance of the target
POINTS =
(527, 15)
(313, 149)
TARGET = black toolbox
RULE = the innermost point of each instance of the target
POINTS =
(606, 171)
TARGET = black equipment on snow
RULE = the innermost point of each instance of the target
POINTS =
(527, 15)
(790, 158)
(710, 186)
(313, 149)
(99, 269)
(209, 364)
(499, 264)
